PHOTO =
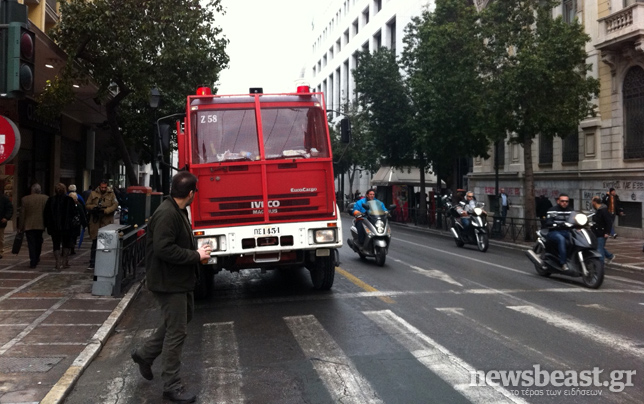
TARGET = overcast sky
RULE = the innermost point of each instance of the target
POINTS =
(269, 44)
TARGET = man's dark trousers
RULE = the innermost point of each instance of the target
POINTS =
(34, 243)
(177, 310)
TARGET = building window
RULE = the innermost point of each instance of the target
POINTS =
(569, 11)
(545, 150)
(331, 53)
(365, 47)
(633, 91)
(355, 27)
(365, 17)
(338, 45)
(346, 37)
(377, 6)
(377, 40)
(391, 30)
(570, 148)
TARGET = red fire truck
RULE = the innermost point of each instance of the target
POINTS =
(266, 195)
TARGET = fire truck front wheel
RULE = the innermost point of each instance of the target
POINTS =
(323, 272)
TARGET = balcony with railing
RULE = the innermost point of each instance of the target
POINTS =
(624, 28)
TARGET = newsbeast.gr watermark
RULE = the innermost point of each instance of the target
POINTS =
(585, 382)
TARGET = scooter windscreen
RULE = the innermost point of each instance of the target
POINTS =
(374, 208)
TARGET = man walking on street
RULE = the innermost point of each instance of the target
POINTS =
(171, 264)
(611, 200)
(601, 228)
(32, 223)
(504, 202)
(101, 206)
(6, 212)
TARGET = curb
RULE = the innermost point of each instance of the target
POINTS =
(514, 246)
(65, 384)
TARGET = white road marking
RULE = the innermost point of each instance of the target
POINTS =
(337, 371)
(430, 273)
(440, 360)
(595, 334)
(221, 365)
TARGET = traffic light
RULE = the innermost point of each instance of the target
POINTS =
(20, 57)
(345, 130)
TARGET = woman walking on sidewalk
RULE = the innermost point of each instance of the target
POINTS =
(58, 215)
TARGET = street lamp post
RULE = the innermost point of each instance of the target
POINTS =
(155, 99)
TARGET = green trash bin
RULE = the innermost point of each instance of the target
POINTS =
(138, 203)
(155, 200)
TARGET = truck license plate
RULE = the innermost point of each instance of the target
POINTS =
(265, 231)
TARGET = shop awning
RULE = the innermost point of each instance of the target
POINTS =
(387, 175)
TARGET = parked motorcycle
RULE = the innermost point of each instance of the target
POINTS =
(378, 233)
(477, 233)
(583, 259)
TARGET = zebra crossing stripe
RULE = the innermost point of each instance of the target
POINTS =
(596, 334)
(337, 371)
(440, 360)
(221, 365)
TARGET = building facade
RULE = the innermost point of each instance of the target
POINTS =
(342, 30)
(608, 150)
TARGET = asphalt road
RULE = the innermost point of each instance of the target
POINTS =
(428, 327)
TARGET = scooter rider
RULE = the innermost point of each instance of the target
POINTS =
(359, 209)
(464, 211)
(555, 223)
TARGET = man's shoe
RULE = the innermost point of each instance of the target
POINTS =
(564, 267)
(144, 368)
(610, 260)
(179, 395)
(615, 235)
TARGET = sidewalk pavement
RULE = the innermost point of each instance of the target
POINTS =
(628, 251)
(51, 326)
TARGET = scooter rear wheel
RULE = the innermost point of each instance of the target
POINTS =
(595, 276)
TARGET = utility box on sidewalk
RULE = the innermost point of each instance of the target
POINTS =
(155, 200)
(108, 259)
(138, 201)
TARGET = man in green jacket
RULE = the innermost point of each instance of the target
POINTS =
(171, 263)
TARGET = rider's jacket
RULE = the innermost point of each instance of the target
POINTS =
(468, 208)
(360, 205)
(555, 221)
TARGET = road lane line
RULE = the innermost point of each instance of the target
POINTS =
(595, 334)
(353, 279)
(440, 360)
(337, 371)
(431, 273)
(221, 358)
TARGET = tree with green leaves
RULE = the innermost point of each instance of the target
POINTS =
(128, 47)
(535, 68)
(442, 54)
(360, 153)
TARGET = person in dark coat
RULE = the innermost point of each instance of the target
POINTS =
(58, 214)
(601, 228)
(79, 221)
(612, 202)
(171, 263)
(543, 205)
(6, 212)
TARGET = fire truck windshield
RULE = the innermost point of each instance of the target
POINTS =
(231, 135)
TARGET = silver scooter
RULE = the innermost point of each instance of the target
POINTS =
(378, 233)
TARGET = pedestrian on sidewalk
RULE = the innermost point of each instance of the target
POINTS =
(32, 222)
(505, 204)
(6, 212)
(59, 211)
(171, 264)
(101, 206)
(612, 202)
(601, 228)
(79, 221)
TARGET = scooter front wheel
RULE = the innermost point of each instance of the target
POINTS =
(381, 256)
(595, 276)
(482, 242)
(540, 270)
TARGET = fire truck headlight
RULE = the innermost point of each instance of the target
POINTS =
(212, 241)
(325, 236)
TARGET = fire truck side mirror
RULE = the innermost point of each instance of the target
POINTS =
(345, 130)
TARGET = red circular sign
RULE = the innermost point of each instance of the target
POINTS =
(9, 139)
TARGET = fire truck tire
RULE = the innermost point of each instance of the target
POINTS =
(323, 273)
(204, 286)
